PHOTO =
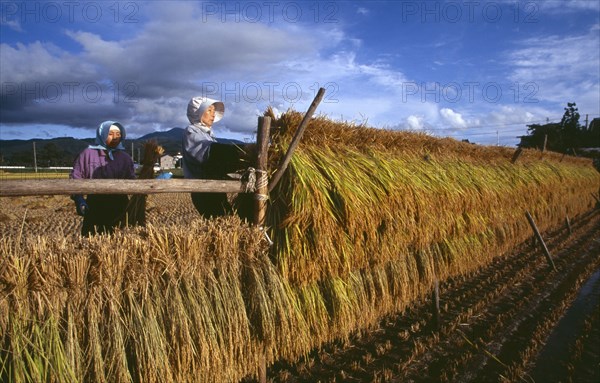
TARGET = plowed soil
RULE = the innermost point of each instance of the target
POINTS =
(517, 320)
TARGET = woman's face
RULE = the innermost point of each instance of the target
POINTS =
(208, 117)
(114, 137)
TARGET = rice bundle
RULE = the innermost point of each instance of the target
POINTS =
(135, 215)
(154, 304)
(365, 219)
(362, 222)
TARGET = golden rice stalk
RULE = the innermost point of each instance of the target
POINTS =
(363, 221)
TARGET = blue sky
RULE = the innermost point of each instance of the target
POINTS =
(480, 70)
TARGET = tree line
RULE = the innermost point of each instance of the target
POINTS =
(566, 136)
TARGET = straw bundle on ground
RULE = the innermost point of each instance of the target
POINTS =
(362, 221)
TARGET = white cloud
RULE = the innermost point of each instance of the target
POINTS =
(234, 60)
(175, 52)
(415, 122)
(563, 6)
(15, 25)
(454, 119)
(559, 69)
(547, 58)
(160, 65)
(41, 62)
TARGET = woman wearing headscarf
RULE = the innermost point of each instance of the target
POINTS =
(198, 138)
(105, 159)
(207, 157)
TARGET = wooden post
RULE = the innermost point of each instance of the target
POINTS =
(436, 304)
(540, 240)
(116, 186)
(262, 183)
(517, 154)
(260, 204)
(296, 140)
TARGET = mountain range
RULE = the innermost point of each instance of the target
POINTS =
(62, 151)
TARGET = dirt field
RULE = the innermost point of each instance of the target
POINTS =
(56, 214)
(516, 320)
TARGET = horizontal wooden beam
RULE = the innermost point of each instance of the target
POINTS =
(112, 186)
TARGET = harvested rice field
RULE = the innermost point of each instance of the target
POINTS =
(513, 321)
(361, 228)
(55, 215)
(495, 323)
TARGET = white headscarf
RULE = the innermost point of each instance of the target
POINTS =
(196, 108)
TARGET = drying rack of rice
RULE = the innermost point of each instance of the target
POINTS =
(362, 222)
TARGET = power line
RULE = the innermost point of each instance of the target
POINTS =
(547, 120)
(495, 125)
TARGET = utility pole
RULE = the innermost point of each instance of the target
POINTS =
(497, 138)
(545, 142)
(586, 121)
(34, 158)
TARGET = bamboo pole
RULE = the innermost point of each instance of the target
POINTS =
(540, 240)
(260, 206)
(113, 186)
(436, 304)
(296, 140)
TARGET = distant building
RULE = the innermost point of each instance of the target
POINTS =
(167, 162)
(170, 162)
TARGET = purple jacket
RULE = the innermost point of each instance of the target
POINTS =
(94, 163)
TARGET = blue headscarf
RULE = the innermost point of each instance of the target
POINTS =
(102, 135)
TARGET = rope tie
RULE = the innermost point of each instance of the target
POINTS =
(249, 178)
(254, 183)
(262, 181)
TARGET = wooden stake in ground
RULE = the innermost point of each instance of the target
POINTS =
(436, 304)
(540, 240)
(296, 140)
(262, 182)
(260, 206)
(517, 154)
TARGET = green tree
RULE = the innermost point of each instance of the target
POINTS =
(22, 158)
(50, 155)
(538, 133)
(563, 137)
(570, 129)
